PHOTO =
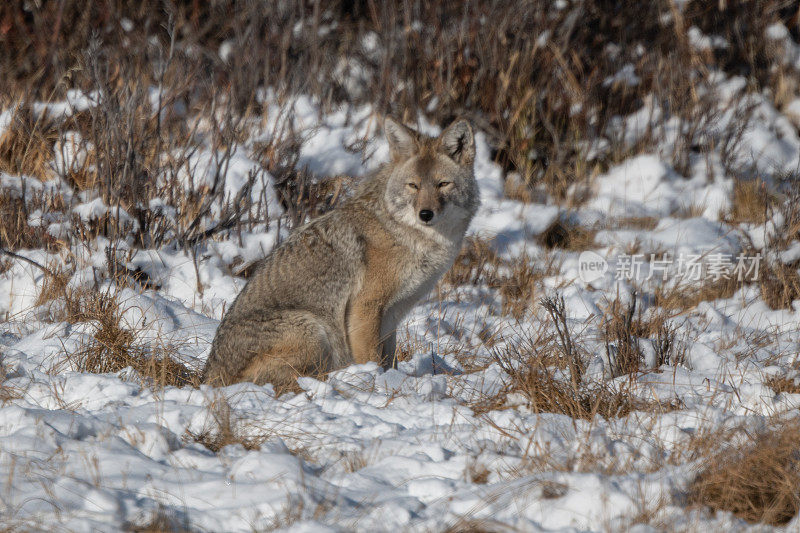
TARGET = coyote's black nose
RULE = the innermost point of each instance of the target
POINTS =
(426, 215)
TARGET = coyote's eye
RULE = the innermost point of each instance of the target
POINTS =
(443, 184)
(412, 186)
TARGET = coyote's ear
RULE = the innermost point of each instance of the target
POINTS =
(402, 139)
(458, 142)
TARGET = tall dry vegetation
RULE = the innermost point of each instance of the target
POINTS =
(757, 479)
(548, 366)
(113, 345)
(544, 82)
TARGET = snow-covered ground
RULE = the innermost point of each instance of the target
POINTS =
(407, 449)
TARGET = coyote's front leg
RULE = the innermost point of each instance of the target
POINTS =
(364, 329)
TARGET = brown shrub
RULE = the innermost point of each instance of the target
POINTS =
(543, 102)
(758, 481)
(748, 53)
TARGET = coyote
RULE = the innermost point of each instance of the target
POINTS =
(333, 293)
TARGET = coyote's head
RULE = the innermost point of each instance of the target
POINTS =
(431, 182)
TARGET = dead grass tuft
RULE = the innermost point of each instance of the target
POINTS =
(758, 481)
(682, 297)
(476, 263)
(113, 346)
(15, 232)
(7, 393)
(54, 287)
(477, 473)
(26, 146)
(225, 429)
(782, 384)
(163, 520)
(519, 286)
(568, 236)
(779, 284)
(549, 393)
(547, 368)
(621, 332)
(668, 348)
(627, 325)
(751, 202)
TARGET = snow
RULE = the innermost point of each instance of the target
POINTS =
(375, 450)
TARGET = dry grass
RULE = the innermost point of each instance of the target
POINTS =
(669, 349)
(779, 284)
(626, 325)
(519, 286)
(26, 146)
(561, 234)
(476, 263)
(782, 384)
(163, 520)
(54, 291)
(758, 480)
(477, 473)
(621, 332)
(751, 202)
(15, 232)
(547, 366)
(225, 429)
(547, 369)
(7, 393)
(81, 171)
(543, 103)
(517, 281)
(643, 223)
(546, 392)
(113, 345)
(302, 195)
(683, 297)
(468, 524)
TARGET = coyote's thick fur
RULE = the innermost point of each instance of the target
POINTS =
(333, 293)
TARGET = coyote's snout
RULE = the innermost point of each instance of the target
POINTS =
(333, 293)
